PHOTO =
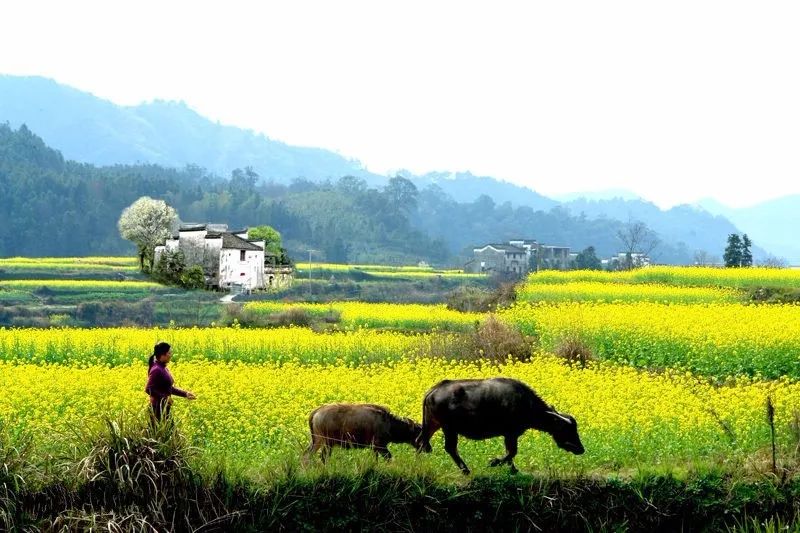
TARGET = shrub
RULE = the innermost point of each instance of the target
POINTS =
(491, 340)
(193, 278)
(574, 349)
(495, 340)
(171, 269)
(116, 313)
(294, 316)
(474, 299)
(774, 295)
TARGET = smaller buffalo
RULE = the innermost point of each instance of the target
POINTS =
(498, 407)
(358, 426)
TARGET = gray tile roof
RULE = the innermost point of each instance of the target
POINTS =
(506, 248)
(231, 241)
(191, 226)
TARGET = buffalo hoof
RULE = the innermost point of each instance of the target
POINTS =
(465, 471)
(514, 469)
(497, 461)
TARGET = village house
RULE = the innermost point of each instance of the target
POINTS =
(230, 260)
(498, 259)
(518, 257)
(622, 262)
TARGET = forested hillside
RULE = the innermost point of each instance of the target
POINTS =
(169, 134)
(52, 206)
(689, 224)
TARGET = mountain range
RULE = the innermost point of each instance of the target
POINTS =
(88, 129)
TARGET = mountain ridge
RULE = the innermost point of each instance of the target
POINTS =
(173, 135)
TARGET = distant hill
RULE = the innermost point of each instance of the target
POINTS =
(772, 224)
(91, 130)
(604, 194)
(692, 225)
(465, 187)
(88, 129)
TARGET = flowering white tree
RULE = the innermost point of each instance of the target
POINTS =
(148, 223)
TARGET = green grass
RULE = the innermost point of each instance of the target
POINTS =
(125, 476)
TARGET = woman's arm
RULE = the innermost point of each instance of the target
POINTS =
(189, 395)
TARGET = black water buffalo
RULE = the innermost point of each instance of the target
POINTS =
(358, 426)
(484, 408)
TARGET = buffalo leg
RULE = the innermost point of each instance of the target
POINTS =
(511, 449)
(451, 446)
(326, 452)
(313, 446)
(511, 452)
(429, 427)
(383, 451)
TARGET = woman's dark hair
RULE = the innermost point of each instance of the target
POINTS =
(158, 350)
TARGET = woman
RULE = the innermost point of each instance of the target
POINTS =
(160, 382)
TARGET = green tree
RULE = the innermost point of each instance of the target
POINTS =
(169, 267)
(269, 235)
(747, 255)
(351, 185)
(402, 194)
(733, 251)
(336, 252)
(147, 223)
(242, 183)
(588, 260)
(193, 278)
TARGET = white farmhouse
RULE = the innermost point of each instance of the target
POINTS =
(229, 259)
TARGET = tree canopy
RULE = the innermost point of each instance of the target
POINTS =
(147, 223)
(588, 260)
(51, 206)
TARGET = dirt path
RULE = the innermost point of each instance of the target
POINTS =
(228, 298)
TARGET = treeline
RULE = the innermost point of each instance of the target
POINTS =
(51, 206)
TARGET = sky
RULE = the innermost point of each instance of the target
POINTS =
(675, 101)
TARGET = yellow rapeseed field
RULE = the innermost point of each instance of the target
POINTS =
(597, 291)
(92, 260)
(679, 276)
(80, 284)
(713, 339)
(377, 315)
(127, 264)
(254, 416)
(124, 346)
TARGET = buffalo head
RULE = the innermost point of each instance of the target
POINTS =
(564, 430)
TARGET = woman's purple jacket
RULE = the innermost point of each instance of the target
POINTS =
(159, 384)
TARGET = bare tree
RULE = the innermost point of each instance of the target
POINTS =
(703, 258)
(636, 238)
(772, 261)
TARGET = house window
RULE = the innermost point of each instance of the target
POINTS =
(241, 255)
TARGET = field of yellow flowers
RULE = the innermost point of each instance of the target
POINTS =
(124, 264)
(379, 315)
(710, 339)
(598, 291)
(680, 375)
(679, 277)
(254, 416)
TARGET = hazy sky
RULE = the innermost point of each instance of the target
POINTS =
(674, 100)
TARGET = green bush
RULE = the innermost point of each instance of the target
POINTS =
(193, 278)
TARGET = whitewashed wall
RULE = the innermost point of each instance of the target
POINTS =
(249, 272)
